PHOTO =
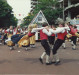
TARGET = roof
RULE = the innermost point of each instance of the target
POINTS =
(37, 15)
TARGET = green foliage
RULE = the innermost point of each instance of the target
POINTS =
(50, 9)
(27, 20)
(6, 16)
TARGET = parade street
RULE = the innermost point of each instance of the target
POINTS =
(19, 61)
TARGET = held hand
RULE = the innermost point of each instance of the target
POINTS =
(47, 28)
(54, 28)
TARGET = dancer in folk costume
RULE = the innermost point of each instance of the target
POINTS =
(74, 34)
(61, 33)
(25, 40)
(17, 30)
(74, 38)
(10, 32)
(44, 37)
(32, 38)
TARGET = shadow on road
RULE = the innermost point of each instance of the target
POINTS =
(5, 61)
(69, 60)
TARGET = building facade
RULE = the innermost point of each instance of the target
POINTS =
(71, 8)
(33, 3)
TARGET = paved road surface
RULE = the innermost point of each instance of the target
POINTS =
(26, 62)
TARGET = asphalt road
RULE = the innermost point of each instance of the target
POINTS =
(24, 62)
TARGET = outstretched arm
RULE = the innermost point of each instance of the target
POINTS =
(36, 29)
(58, 30)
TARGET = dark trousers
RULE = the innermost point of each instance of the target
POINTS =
(57, 44)
(74, 39)
(46, 46)
(51, 39)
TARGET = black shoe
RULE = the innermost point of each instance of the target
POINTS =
(48, 63)
(53, 62)
(57, 63)
(41, 60)
(73, 48)
(72, 44)
(64, 47)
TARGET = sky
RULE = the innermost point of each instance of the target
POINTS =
(20, 7)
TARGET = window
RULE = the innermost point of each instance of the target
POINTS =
(39, 18)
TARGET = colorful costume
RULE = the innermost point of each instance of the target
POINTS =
(25, 40)
(9, 34)
(32, 40)
(14, 39)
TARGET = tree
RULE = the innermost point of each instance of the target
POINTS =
(6, 16)
(50, 9)
(27, 20)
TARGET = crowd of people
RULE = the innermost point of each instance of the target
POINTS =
(51, 38)
(12, 36)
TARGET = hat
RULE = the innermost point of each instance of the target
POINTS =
(29, 27)
(35, 25)
(67, 20)
(59, 21)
